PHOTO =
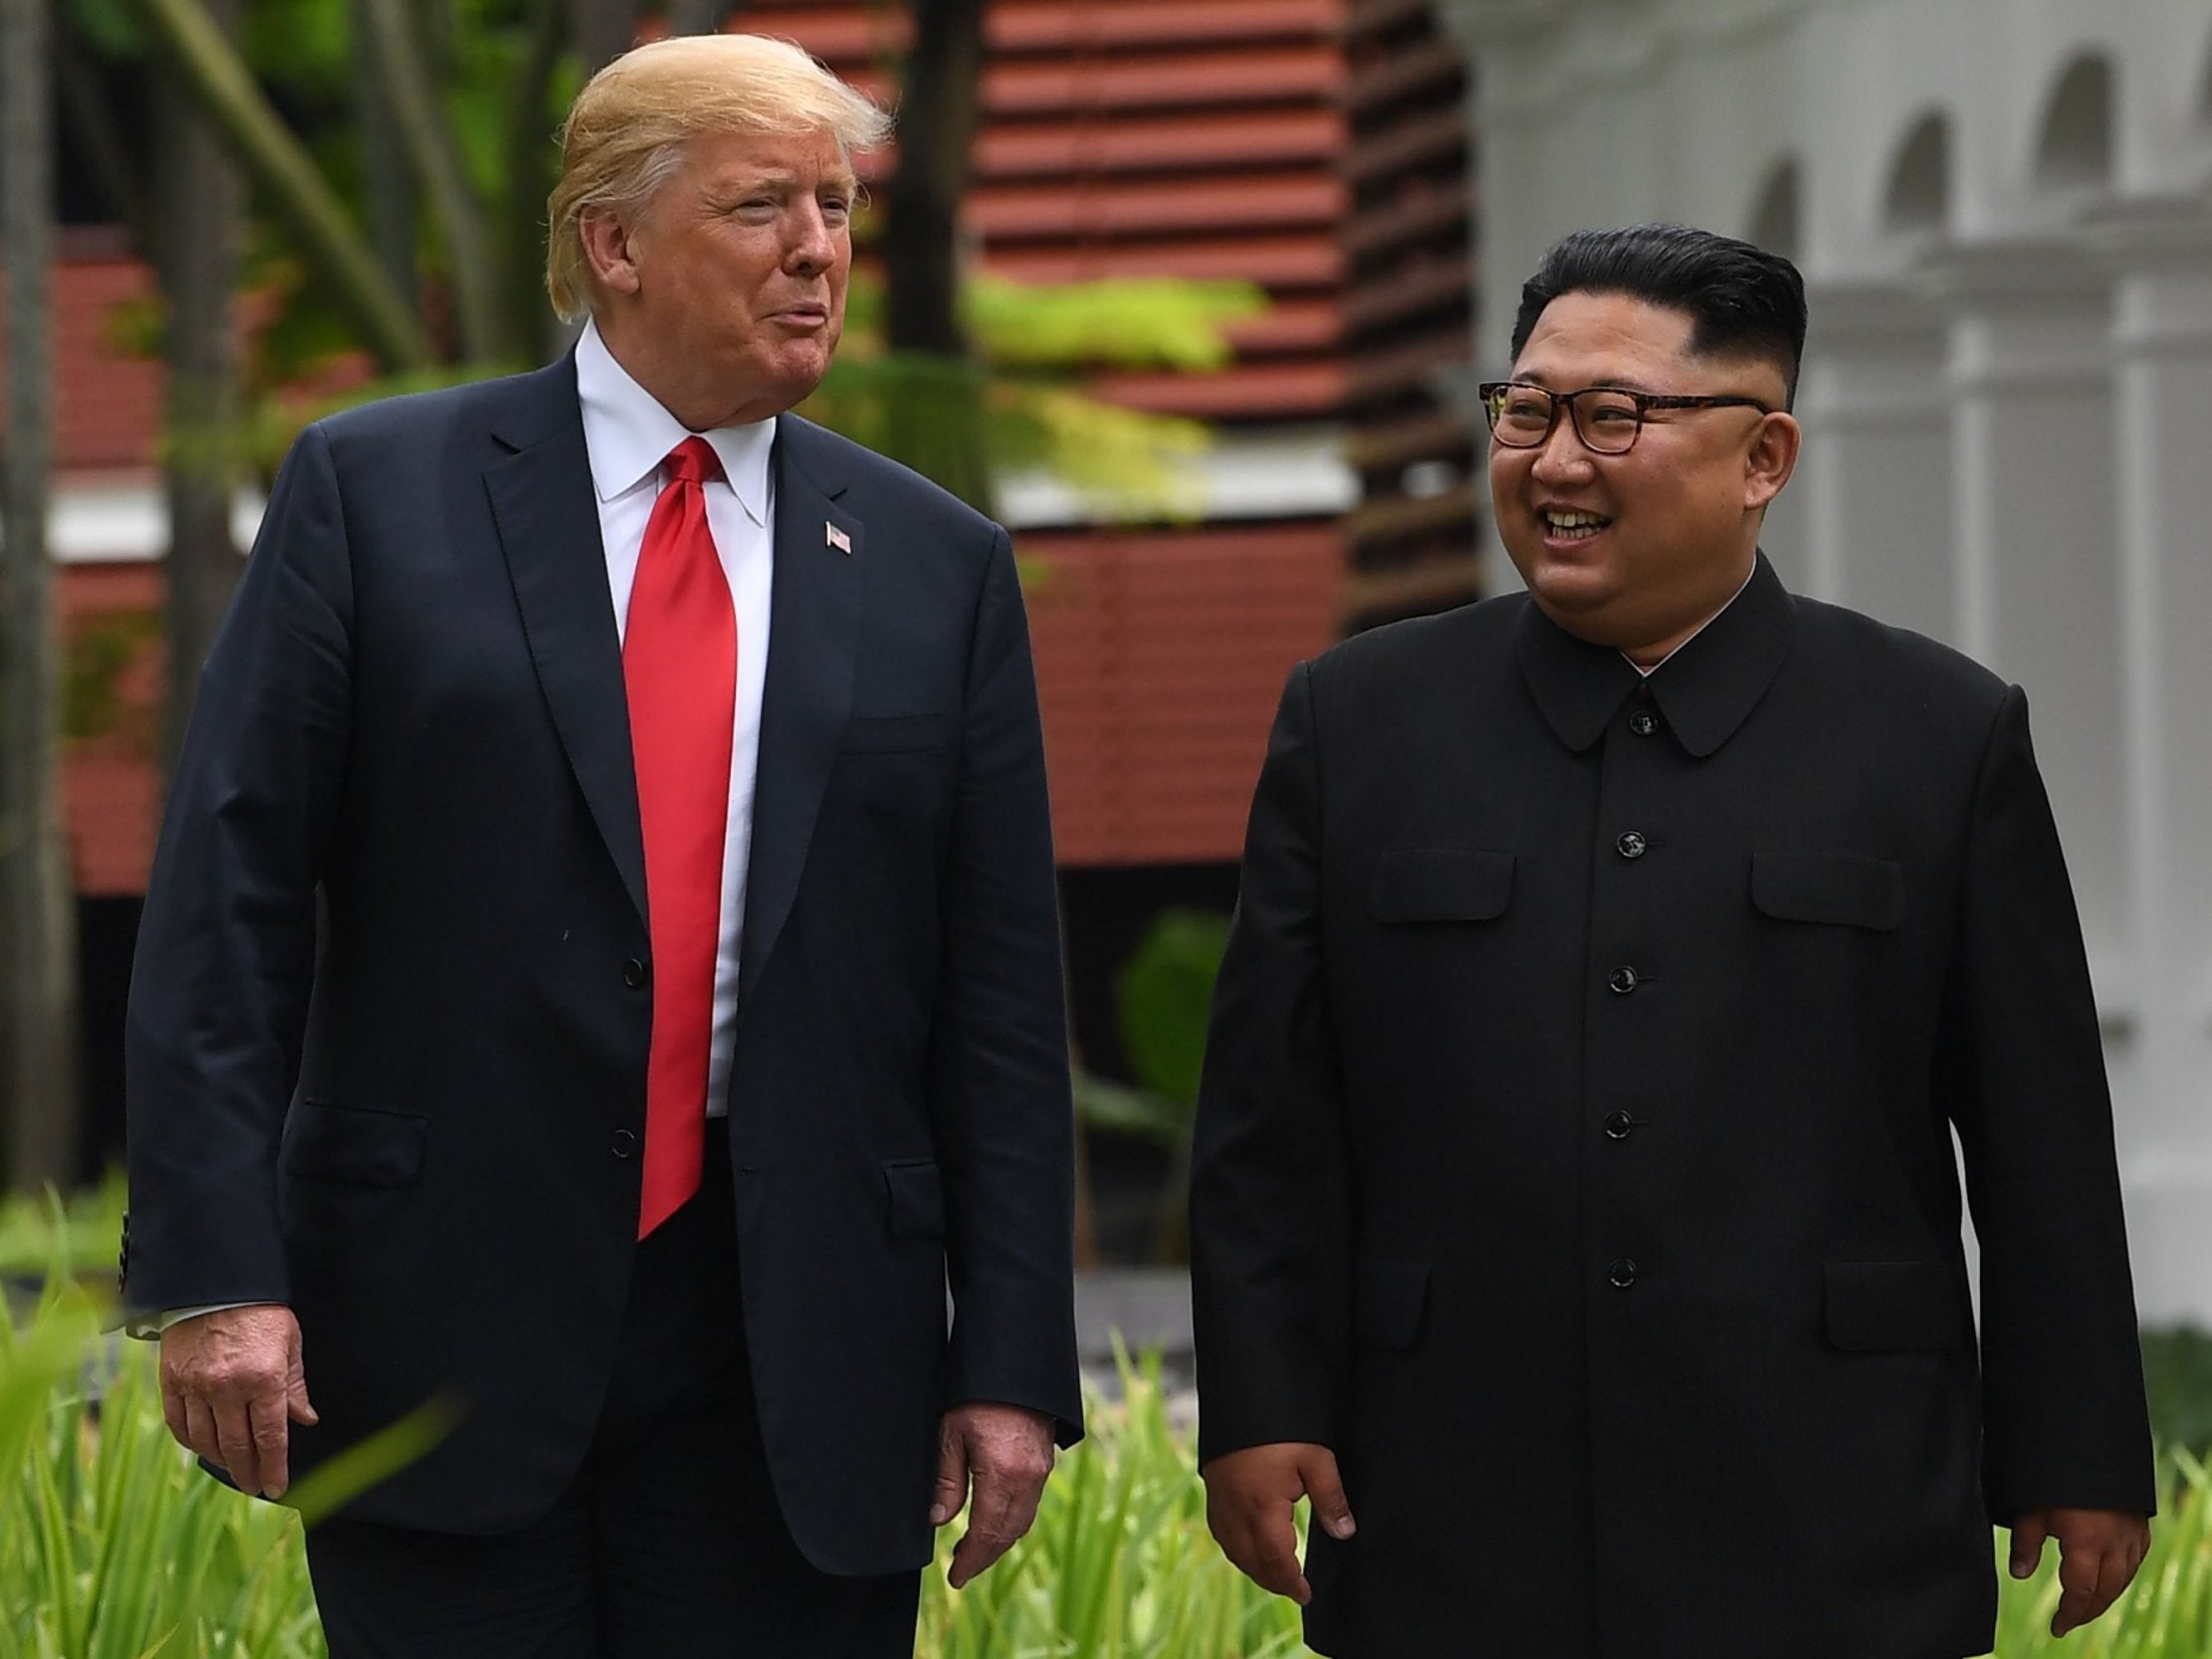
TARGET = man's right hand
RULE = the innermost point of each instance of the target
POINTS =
(232, 1386)
(1248, 1499)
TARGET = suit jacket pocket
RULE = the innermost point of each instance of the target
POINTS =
(917, 1198)
(1388, 1300)
(1895, 1306)
(357, 1146)
(1441, 884)
(893, 733)
(1838, 889)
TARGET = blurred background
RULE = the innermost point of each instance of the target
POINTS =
(1193, 294)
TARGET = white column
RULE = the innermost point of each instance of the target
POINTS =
(2031, 381)
(2160, 254)
(1873, 484)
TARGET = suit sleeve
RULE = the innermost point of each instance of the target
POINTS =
(2063, 1416)
(1000, 1080)
(226, 945)
(1269, 1205)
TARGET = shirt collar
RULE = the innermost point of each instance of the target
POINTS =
(628, 433)
(1705, 689)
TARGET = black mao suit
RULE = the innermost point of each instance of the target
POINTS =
(389, 1019)
(1575, 1150)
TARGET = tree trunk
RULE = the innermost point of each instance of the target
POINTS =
(520, 233)
(701, 17)
(38, 934)
(413, 94)
(935, 421)
(389, 187)
(295, 188)
(603, 29)
(201, 208)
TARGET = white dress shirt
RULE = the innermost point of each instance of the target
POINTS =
(628, 434)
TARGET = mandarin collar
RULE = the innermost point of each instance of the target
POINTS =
(1705, 691)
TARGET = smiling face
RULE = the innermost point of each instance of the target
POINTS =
(1639, 551)
(725, 295)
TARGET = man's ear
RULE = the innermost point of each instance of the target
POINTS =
(611, 251)
(1770, 460)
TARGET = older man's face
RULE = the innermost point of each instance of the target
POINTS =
(741, 258)
(1636, 551)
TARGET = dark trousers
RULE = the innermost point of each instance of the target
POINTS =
(669, 1544)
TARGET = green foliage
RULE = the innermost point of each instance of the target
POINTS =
(113, 1545)
(1030, 341)
(1116, 1108)
(41, 1234)
(2167, 1614)
(96, 654)
(2177, 1374)
(1126, 321)
(1119, 1565)
(1160, 999)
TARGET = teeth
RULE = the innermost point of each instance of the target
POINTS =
(1575, 527)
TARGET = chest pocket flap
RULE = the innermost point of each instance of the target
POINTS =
(1441, 884)
(1839, 889)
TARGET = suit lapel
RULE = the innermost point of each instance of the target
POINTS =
(814, 626)
(549, 530)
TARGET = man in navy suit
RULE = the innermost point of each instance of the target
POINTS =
(601, 970)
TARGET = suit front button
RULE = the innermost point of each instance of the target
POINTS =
(1621, 1274)
(1643, 722)
(1622, 980)
(634, 974)
(625, 1144)
(1618, 1126)
(1630, 844)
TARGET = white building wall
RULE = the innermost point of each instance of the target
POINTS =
(2010, 356)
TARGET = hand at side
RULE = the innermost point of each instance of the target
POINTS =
(1002, 1452)
(1250, 1494)
(2099, 1551)
(232, 1386)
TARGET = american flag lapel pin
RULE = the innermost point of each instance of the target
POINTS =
(836, 537)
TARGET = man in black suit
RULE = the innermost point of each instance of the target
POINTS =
(601, 970)
(1574, 1201)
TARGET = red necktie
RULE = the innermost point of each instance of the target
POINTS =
(680, 668)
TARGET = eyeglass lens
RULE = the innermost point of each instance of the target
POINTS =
(1606, 421)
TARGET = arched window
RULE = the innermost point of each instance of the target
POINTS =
(1919, 195)
(1775, 217)
(2075, 144)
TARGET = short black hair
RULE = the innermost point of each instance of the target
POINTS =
(1743, 301)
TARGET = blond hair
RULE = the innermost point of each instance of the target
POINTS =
(627, 131)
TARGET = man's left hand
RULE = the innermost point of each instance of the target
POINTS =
(1006, 1451)
(2099, 1551)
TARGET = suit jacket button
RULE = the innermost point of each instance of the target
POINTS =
(625, 1144)
(1643, 722)
(1630, 844)
(1620, 1273)
(1618, 1126)
(634, 974)
(1622, 980)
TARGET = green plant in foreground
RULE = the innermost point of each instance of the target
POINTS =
(1119, 1565)
(113, 1545)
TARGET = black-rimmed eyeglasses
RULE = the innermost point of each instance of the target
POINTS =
(1606, 418)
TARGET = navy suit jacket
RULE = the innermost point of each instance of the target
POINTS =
(389, 1016)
